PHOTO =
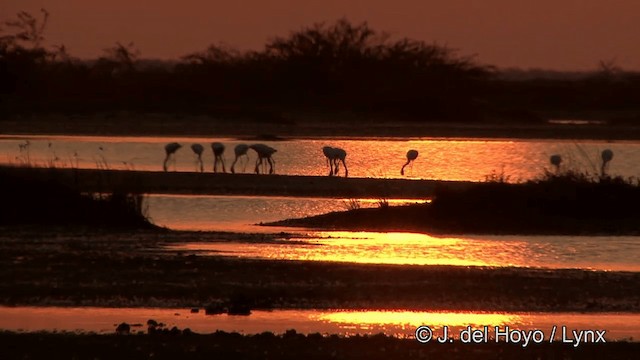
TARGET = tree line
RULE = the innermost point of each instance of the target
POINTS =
(332, 67)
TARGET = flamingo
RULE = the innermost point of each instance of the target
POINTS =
(218, 150)
(411, 156)
(264, 152)
(239, 150)
(170, 149)
(334, 156)
(341, 155)
(607, 155)
(556, 160)
(198, 150)
(328, 152)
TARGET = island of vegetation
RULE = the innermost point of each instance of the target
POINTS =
(570, 203)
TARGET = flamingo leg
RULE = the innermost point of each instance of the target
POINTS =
(222, 161)
(234, 164)
(346, 171)
(164, 164)
(271, 164)
(403, 166)
(258, 163)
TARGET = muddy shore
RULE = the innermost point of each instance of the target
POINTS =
(132, 269)
(157, 182)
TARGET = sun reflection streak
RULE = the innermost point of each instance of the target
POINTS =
(400, 323)
(560, 252)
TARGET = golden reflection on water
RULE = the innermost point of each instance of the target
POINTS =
(393, 248)
(559, 252)
(392, 321)
(444, 159)
(374, 248)
(343, 322)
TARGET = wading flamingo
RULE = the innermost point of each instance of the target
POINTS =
(240, 150)
(411, 156)
(170, 149)
(198, 150)
(607, 155)
(218, 150)
(328, 152)
(264, 152)
(334, 156)
(556, 160)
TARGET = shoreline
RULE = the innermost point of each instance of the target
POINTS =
(195, 183)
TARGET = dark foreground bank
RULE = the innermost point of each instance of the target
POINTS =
(290, 345)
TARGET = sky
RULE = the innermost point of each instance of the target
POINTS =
(548, 34)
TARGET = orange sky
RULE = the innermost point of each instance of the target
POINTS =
(553, 34)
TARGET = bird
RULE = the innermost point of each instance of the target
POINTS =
(556, 160)
(607, 155)
(411, 156)
(170, 149)
(264, 152)
(198, 150)
(218, 150)
(328, 152)
(239, 150)
(334, 156)
(342, 156)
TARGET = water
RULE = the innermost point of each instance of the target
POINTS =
(554, 252)
(443, 159)
(242, 213)
(618, 326)
(448, 159)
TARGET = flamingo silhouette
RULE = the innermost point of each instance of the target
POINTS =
(334, 156)
(556, 160)
(411, 156)
(264, 152)
(606, 155)
(328, 152)
(170, 149)
(198, 150)
(239, 150)
(218, 150)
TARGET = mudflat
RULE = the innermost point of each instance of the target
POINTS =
(135, 269)
(157, 182)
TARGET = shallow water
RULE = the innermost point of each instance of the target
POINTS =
(242, 213)
(396, 323)
(554, 252)
(445, 159)
(450, 159)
